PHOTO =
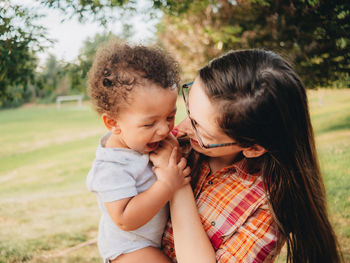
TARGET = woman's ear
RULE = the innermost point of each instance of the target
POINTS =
(111, 124)
(254, 151)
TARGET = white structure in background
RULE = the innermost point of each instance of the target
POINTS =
(78, 98)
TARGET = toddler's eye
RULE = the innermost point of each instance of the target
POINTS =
(170, 118)
(148, 125)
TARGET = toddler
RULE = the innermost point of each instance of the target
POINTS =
(134, 89)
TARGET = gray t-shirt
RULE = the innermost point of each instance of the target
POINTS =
(116, 174)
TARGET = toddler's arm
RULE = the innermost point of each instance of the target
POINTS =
(132, 213)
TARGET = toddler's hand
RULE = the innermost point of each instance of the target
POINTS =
(160, 157)
(174, 175)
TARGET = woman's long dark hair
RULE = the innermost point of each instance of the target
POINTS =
(262, 101)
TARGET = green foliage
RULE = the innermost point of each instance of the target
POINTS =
(48, 80)
(66, 78)
(99, 10)
(314, 35)
(20, 39)
(88, 51)
(176, 8)
(77, 72)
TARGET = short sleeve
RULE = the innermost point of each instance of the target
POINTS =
(254, 241)
(111, 181)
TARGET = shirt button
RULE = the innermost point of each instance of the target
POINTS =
(212, 223)
(210, 182)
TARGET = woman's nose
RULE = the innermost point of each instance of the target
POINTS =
(184, 127)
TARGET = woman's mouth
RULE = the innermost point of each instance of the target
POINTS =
(153, 145)
(194, 142)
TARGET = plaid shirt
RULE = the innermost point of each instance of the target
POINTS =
(233, 208)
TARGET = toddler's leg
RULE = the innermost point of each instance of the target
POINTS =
(145, 255)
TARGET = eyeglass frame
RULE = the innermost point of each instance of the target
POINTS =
(200, 140)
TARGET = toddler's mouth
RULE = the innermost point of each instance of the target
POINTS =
(153, 145)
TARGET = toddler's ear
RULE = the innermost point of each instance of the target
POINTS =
(111, 124)
(254, 151)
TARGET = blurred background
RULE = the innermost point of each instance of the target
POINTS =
(46, 149)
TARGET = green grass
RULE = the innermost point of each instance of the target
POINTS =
(331, 120)
(46, 153)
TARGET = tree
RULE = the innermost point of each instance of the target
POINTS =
(64, 78)
(73, 75)
(312, 34)
(49, 78)
(20, 39)
(77, 72)
(87, 52)
(99, 10)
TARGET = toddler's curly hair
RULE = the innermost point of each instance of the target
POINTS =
(119, 67)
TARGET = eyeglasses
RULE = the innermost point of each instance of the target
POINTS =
(185, 92)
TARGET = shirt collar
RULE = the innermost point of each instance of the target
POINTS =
(239, 170)
(119, 155)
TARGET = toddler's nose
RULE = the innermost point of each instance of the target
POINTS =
(163, 130)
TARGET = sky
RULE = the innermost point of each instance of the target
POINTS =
(70, 34)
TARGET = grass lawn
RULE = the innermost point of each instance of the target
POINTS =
(45, 154)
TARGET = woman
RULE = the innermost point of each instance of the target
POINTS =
(255, 175)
